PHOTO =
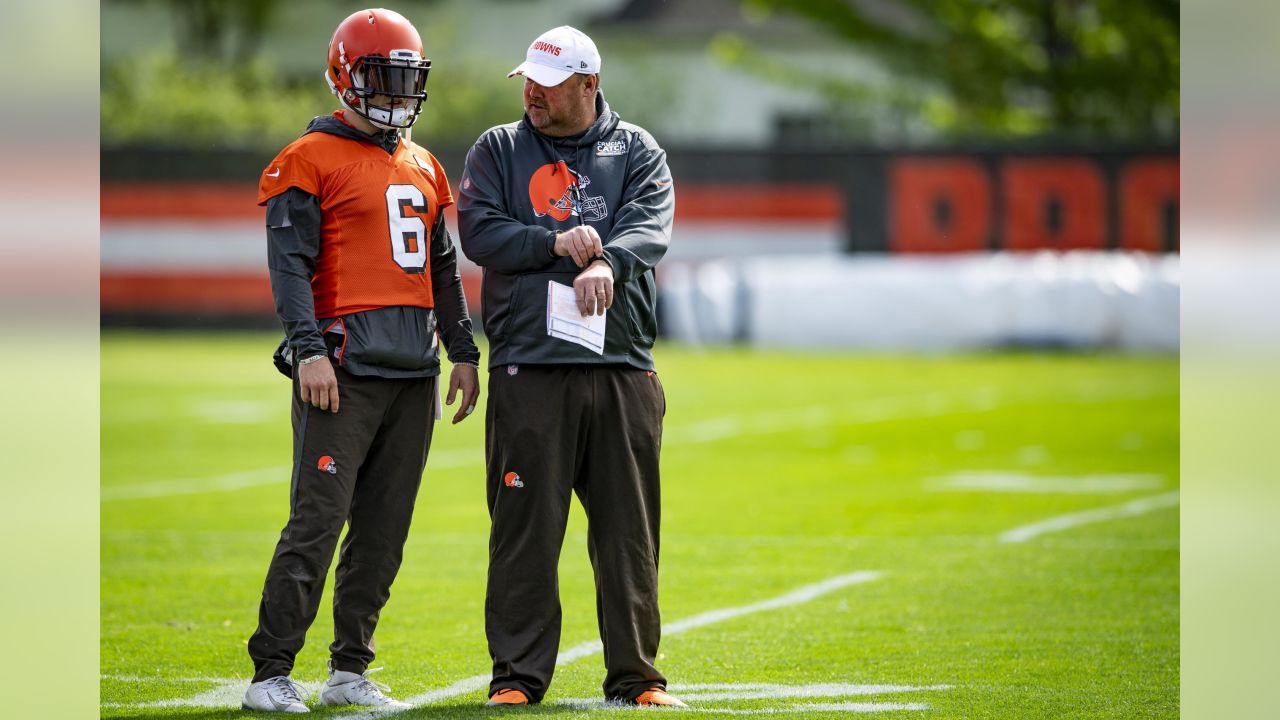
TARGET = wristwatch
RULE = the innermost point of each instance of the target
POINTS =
(313, 358)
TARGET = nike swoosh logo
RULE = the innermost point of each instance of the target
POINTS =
(274, 174)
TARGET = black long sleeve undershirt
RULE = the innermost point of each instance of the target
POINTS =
(293, 245)
(454, 321)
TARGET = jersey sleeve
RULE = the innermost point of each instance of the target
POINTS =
(444, 195)
(289, 169)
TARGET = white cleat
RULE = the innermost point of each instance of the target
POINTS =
(277, 694)
(348, 688)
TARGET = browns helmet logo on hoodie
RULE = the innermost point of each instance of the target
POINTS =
(552, 191)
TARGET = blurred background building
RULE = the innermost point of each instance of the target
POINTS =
(890, 174)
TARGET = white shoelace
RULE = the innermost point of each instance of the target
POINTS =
(372, 687)
(289, 690)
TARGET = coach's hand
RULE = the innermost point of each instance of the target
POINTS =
(581, 243)
(594, 288)
(466, 379)
(317, 385)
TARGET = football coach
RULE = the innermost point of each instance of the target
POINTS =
(570, 194)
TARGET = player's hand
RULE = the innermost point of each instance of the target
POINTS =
(594, 288)
(466, 379)
(581, 243)
(318, 385)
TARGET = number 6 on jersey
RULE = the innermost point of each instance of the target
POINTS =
(405, 203)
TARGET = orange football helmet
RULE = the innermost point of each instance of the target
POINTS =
(377, 54)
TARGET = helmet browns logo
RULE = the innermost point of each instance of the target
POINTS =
(327, 464)
(552, 190)
(512, 480)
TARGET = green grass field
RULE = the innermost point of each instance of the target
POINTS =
(780, 471)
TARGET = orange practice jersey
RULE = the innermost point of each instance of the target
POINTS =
(377, 214)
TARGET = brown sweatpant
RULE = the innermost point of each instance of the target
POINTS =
(551, 431)
(360, 466)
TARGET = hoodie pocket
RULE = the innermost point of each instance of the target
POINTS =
(638, 295)
(502, 319)
(526, 321)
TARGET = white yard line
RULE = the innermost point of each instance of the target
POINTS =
(768, 691)
(799, 595)
(464, 686)
(816, 707)
(1015, 482)
(764, 691)
(846, 707)
(1086, 517)
(795, 597)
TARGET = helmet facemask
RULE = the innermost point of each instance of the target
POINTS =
(398, 84)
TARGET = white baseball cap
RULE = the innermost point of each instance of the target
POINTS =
(557, 54)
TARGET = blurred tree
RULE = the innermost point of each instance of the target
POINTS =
(163, 96)
(1075, 68)
(211, 86)
(208, 24)
(219, 30)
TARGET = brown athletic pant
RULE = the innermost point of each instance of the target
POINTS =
(361, 466)
(551, 431)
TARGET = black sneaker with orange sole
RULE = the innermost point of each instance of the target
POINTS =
(508, 696)
(658, 696)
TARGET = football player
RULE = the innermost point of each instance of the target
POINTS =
(365, 279)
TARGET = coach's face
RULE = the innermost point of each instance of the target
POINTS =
(564, 109)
